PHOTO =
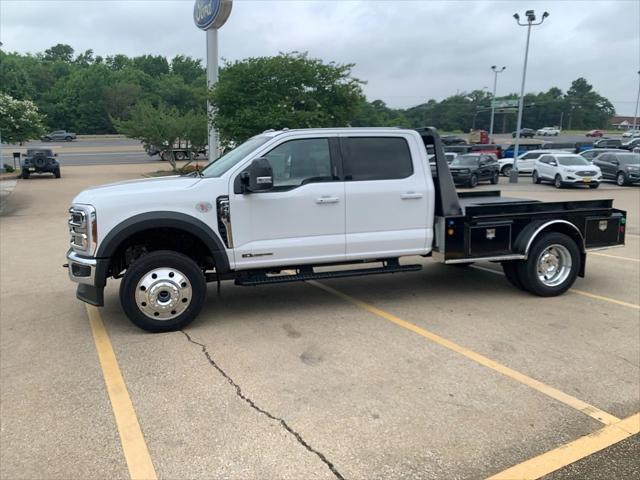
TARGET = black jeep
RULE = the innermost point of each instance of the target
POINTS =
(40, 160)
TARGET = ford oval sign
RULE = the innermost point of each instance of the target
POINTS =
(211, 13)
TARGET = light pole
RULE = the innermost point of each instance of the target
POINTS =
(496, 71)
(635, 117)
(531, 18)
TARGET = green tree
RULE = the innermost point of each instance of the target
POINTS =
(59, 53)
(158, 127)
(288, 90)
(19, 120)
(189, 69)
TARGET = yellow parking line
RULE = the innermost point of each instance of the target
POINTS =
(572, 452)
(573, 290)
(618, 257)
(554, 393)
(134, 446)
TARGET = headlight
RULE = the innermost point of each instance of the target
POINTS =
(464, 170)
(83, 229)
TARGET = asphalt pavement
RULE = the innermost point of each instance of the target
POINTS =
(439, 374)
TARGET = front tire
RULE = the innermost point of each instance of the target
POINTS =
(557, 182)
(621, 179)
(552, 265)
(163, 291)
(495, 178)
(68, 139)
(510, 270)
(473, 181)
(56, 172)
(594, 185)
(506, 170)
(535, 177)
(25, 174)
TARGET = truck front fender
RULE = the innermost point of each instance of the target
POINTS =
(165, 219)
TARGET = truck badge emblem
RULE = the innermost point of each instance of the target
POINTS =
(203, 207)
(602, 225)
(491, 233)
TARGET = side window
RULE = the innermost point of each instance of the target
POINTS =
(544, 159)
(369, 158)
(301, 161)
(605, 157)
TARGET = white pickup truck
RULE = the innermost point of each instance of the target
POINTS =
(286, 202)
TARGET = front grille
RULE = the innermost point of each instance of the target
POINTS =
(586, 173)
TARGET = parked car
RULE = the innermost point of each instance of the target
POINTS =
(594, 133)
(526, 161)
(488, 148)
(40, 160)
(59, 135)
(566, 169)
(623, 167)
(453, 140)
(472, 168)
(548, 131)
(523, 147)
(524, 133)
(182, 150)
(583, 145)
(594, 152)
(569, 147)
(631, 144)
(607, 143)
(631, 133)
(450, 156)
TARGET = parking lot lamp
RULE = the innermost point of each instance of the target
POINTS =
(531, 22)
(635, 117)
(496, 71)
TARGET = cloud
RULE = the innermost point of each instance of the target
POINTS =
(407, 51)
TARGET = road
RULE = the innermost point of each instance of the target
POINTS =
(439, 374)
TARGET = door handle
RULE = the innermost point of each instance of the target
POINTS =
(323, 200)
(410, 195)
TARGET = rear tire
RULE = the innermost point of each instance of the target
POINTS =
(163, 291)
(68, 139)
(552, 265)
(621, 179)
(56, 172)
(180, 156)
(25, 174)
(510, 270)
(557, 182)
(506, 170)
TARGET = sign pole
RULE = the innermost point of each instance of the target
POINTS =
(212, 79)
(210, 15)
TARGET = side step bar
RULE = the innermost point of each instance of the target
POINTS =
(308, 274)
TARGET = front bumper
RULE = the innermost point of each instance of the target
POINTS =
(633, 176)
(574, 180)
(90, 275)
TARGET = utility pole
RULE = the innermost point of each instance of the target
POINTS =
(531, 18)
(496, 71)
(635, 116)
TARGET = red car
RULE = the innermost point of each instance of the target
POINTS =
(594, 133)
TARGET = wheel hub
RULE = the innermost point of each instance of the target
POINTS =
(554, 265)
(163, 293)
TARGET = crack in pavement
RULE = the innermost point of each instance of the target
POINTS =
(253, 405)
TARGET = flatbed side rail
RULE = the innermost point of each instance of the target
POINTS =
(532, 208)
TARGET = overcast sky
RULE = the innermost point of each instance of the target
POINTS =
(407, 51)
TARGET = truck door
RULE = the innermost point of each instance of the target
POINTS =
(302, 219)
(389, 209)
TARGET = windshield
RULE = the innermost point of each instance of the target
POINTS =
(465, 161)
(629, 159)
(572, 161)
(228, 160)
(30, 152)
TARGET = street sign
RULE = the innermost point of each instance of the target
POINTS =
(505, 103)
(209, 14)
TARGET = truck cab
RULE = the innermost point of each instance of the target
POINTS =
(285, 203)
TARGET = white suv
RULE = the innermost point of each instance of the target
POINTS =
(553, 131)
(526, 161)
(566, 169)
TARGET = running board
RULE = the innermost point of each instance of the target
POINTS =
(302, 275)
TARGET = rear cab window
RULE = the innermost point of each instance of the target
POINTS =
(376, 158)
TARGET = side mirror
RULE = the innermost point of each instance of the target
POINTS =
(614, 161)
(258, 177)
(554, 164)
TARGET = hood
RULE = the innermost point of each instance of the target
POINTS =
(149, 186)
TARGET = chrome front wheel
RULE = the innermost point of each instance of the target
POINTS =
(163, 293)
